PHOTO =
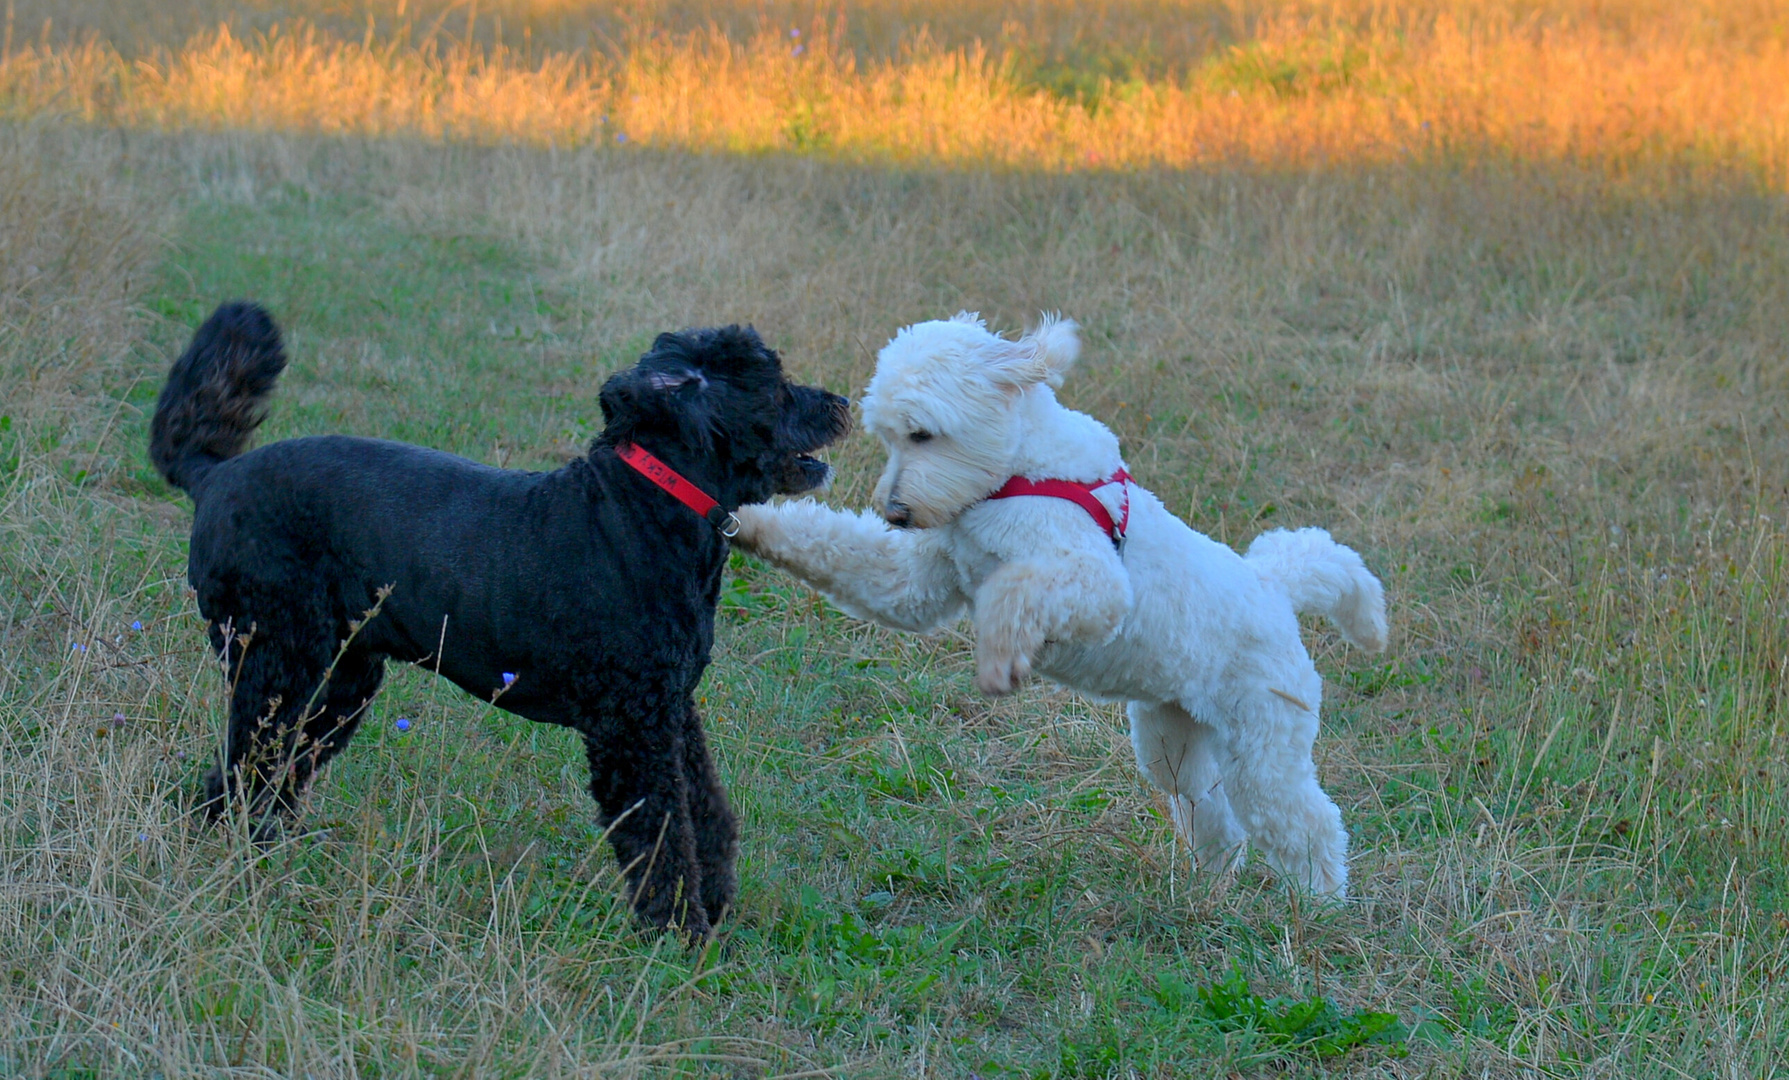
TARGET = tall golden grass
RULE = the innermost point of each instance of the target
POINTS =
(1297, 88)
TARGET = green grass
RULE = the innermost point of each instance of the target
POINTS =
(1551, 421)
(460, 328)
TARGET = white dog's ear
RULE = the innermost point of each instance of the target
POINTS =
(1056, 343)
(1014, 364)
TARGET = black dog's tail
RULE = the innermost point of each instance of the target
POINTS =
(216, 395)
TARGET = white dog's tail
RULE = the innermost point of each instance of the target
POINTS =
(1318, 574)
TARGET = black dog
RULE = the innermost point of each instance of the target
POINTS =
(583, 597)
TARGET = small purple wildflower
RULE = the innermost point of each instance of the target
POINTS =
(117, 718)
(75, 646)
(508, 677)
(137, 625)
(403, 723)
(794, 31)
(180, 755)
(798, 50)
(142, 838)
(621, 136)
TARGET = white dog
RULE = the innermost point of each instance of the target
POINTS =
(1203, 643)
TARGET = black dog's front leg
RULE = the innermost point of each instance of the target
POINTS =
(717, 830)
(639, 781)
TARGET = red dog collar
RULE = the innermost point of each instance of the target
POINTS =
(682, 490)
(1081, 495)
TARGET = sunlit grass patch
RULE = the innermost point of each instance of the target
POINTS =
(1277, 86)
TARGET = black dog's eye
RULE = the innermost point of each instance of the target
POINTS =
(920, 436)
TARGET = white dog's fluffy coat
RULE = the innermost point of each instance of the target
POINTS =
(1203, 643)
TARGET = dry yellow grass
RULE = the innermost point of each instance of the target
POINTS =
(1701, 85)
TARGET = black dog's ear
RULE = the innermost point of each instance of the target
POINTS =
(621, 398)
(658, 400)
(677, 380)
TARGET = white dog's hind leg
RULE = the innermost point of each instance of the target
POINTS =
(1180, 755)
(1272, 783)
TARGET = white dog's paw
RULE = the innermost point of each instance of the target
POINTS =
(753, 521)
(1220, 859)
(996, 676)
(1325, 879)
(1329, 882)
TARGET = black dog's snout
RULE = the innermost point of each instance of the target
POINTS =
(841, 414)
(811, 419)
(828, 414)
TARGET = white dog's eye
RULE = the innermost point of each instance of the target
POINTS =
(920, 436)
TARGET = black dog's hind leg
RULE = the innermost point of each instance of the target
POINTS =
(716, 827)
(273, 676)
(284, 722)
(637, 776)
(340, 709)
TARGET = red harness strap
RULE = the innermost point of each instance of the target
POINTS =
(1081, 495)
(685, 492)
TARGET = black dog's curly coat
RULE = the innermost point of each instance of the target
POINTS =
(583, 597)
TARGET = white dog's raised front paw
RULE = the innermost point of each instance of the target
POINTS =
(753, 521)
(996, 676)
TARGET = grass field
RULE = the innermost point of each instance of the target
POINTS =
(1543, 393)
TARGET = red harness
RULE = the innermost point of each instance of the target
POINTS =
(682, 490)
(1081, 495)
